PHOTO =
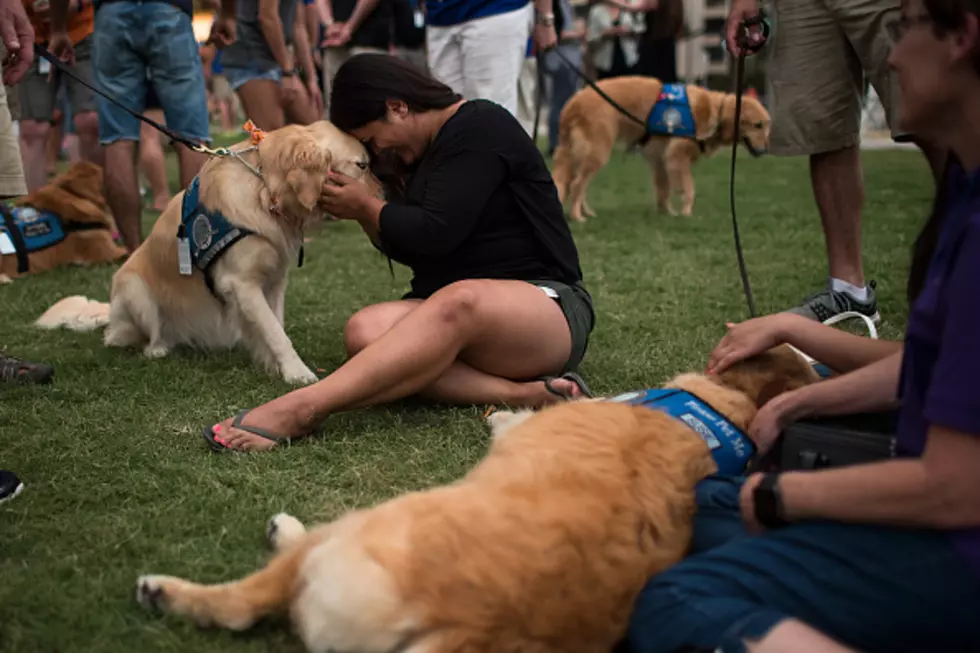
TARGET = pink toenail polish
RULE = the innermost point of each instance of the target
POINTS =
(216, 428)
(220, 440)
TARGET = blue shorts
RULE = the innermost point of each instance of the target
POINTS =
(238, 77)
(137, 39)
(868, 587)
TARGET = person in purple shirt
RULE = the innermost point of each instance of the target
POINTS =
(882, 556)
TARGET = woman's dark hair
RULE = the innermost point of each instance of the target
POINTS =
(366, 82)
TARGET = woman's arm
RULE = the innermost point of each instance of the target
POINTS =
(272, 32)
(841, 351)
(939, 490)
(869, 389)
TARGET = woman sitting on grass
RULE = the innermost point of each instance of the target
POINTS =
(881, 556)
(496, 302)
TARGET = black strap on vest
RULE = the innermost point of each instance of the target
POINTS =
(20, 247)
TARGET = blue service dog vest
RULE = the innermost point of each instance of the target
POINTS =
(671, 115)
(25, 230)
(208, 233)
(730, 447)
(36, 229)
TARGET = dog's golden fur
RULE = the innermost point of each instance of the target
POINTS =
(541, 548)
(152, 305)
(590, 127)
(75, 196)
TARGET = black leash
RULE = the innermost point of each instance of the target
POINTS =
(43, 52)
(595, 87)
(744, 47)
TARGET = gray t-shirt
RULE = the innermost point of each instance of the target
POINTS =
(250, 50)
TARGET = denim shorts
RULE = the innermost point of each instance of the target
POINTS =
(140, 39)
(869, 587)
(238, 77)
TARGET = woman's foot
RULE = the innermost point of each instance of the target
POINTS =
(279, 417)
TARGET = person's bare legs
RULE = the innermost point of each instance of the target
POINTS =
(505, 329)
(838, 187)
(262, 103)
(122, 191)
(461, 383)
(792, 636)
(190, 163)
(87, 129)
(152, 161)
(33, 152)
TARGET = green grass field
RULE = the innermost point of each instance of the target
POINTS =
(119, 482)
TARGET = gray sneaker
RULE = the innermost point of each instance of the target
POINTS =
(828, 303)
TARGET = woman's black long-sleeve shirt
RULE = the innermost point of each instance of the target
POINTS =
(481, 204)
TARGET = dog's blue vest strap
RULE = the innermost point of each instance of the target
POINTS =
(671, 114)
(730, 447)
(208, 232)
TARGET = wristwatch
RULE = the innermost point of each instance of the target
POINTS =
(768, 502)
(548, 19)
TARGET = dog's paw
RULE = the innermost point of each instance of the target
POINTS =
(155, 350)
(501, 421)
(299, 375)
(282, 530)
(152, 592)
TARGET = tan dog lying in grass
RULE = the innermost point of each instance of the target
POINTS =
(74, 200)
(241, 296)
(590, 126)
(541, 548)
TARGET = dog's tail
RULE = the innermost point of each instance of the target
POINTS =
(76, 313)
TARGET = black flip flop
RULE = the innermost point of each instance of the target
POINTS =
(568, 376)
(237, 424)
(16, 370)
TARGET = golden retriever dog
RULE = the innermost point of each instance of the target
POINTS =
(271, 192)
(70, 205)
(590, 127)
(541, 548)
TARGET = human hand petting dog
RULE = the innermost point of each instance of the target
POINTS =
(748, 339)
(345, 199)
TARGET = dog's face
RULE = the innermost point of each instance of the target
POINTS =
(754, 124)
(297, 159)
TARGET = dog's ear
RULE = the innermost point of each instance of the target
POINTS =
(292, 160)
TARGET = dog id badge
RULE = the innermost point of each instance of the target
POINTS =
(43, 66)
(184, 253)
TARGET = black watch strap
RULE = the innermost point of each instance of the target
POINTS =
(768, 502)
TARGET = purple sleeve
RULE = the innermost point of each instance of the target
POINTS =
(953, 399)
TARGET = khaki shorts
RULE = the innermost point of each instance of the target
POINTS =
(11, 170)
(37, 92)
(819, 54)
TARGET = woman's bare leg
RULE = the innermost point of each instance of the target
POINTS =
(461, 383)
(262, 103)
(505, 329)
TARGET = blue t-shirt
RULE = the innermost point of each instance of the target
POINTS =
(445, 13)
(939, 367)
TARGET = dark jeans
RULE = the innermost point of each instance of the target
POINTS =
(564, 83)
(658, 58)
(874, 588)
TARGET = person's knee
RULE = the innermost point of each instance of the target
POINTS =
(362, 329)
(34, 132)
(456, 303)
(87, 125)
